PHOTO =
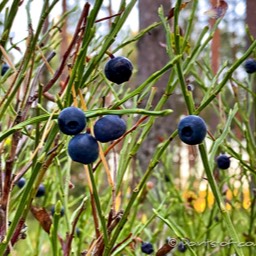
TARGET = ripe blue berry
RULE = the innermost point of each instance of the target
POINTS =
(192, 130)
(83, 148)
(71, 120)
(223, 161)
(21, 182)
(109, 127)
(118, 70)
(250, 65)
(78, 232)
(41, 191)
(181, 247)
(147, 248)
(5, 67)
(62, 211)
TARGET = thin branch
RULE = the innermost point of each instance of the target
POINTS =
(109, 17)
(57, 74)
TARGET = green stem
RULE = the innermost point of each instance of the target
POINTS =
(54, 229)
(98, 206)
(218, 198)
(89, 114)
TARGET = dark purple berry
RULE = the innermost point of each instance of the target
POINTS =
(147, 248)
(41, 191)
(118, 70)
(250, 65)
(192, 130)
(109, 128)
(83, 148)
(78, 232)
(5, 67)
(71, 120)
(223, 161)
(181, 247)
(21, 182)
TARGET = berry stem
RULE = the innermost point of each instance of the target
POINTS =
(218, 198)
(111, 55)
(98, 205)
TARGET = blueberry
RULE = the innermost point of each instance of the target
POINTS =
(192, 130)
(83, 148)
(71, 120)
(62, 211)
(5, 67)
(109, 127)
(78, 232)
(41, 191)
(181, 247)
(147, 248)
(223, 161)
(250, 65)
(21, 182)
(118, 70)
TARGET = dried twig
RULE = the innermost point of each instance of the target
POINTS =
(57, 74)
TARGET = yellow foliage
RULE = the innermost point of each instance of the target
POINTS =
(228, 207)
(246, 199)
(199, 204)
(144, 218)
(189, 195)
(206, 199)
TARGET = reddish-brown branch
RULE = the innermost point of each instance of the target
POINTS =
(109, 17)
(66, 246)
(99, 247)
(16, 236)
(64, 34)
(8, 178)
(59, 71)
(122, 242)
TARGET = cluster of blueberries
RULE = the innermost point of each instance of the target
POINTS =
(83, 147)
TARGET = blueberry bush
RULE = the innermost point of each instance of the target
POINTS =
(72, 126)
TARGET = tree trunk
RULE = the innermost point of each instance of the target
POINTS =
(250, 16)
(152, 56)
